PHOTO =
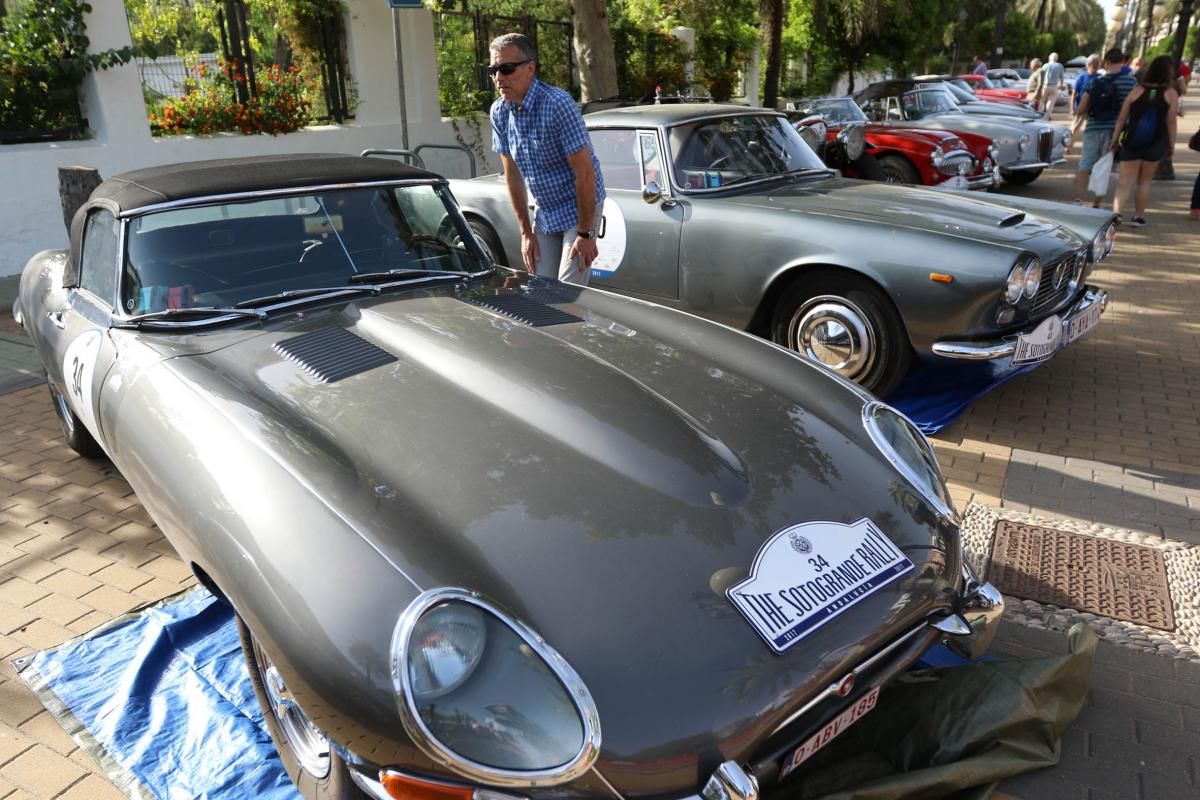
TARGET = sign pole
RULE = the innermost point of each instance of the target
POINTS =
(400, 78)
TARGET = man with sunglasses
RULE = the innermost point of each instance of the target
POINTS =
(543, 144)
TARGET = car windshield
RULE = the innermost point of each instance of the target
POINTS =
(837, 110)
(224, 254)
(713, 153)
(926, 103)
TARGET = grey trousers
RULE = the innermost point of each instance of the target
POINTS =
(555, 262)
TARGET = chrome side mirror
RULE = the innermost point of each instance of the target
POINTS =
(651, 193)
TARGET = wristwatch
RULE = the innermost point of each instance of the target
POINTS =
(587, 234)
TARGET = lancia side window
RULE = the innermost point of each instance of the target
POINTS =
(98, 256)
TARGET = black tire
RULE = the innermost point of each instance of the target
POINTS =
(336, 784)
(1022, 177)
(77, 437)
(488, 239)
(868, 169)
(898, 169)
(871, 347)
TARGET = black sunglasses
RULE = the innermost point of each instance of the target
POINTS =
(507, 68)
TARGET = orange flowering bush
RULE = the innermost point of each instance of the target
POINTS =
(211, 103)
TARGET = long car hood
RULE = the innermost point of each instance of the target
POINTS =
(912, 207)
(606, 478)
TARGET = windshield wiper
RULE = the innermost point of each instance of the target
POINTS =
(184, 315)
(300, 294)
(753, 176)
(400, 274)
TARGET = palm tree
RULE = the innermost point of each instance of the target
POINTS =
(770, 14)
(1048, 14)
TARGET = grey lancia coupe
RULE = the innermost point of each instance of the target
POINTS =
(726, 212)
(489, 536)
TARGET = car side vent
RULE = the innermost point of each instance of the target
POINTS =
(330, 354)
(525, 309)
(1011, 219)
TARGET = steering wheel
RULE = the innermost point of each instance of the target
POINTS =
(718, 162)
(425, 238)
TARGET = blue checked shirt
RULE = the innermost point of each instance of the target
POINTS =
(539, 136)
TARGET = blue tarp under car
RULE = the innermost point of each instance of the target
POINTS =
(934, 396)
(162, 701)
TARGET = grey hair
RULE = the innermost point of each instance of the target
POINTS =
(517, 40)
(1094, 58)
(1054, 56)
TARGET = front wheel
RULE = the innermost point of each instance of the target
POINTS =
(846, 324)
(898, 169)
(1022, 177)
(317, 770)
(488, 240)
(867, 168)
(77, 437)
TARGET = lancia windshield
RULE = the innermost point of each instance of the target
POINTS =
(713, 153)
(230, 254)
(926, 103)
(837, 110)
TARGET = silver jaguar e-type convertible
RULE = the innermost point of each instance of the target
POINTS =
(486, 535)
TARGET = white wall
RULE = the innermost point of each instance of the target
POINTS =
(113, 104)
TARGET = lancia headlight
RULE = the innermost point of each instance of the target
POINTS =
(1098, 252)
(993, 149)
(1014, 287)
(483, 695)
(1024, 142)
(1033, 276)
(903, 444)
(812, 131)
(1110, 237)
(1067, 138)
(854, 139)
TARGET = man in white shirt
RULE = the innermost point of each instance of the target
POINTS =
(1052, 82)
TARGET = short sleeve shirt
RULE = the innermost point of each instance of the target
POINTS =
(539, 135)
(1082, 83)
(1053, 75)
(981, 68)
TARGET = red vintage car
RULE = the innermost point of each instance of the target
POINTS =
(987, 89)
(841, 134)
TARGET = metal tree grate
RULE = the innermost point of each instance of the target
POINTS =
(1114, 579)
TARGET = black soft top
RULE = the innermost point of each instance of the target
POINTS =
(130, 191)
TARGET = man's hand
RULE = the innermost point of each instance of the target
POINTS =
(530, 252)
(585, 250)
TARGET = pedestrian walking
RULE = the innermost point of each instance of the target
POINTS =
(1033, 89)
(979, 67)
(1145, 133)
(1052, 83)
(1078, 89)
(543, 144)
(1100, 107)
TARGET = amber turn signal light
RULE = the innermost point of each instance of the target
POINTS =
(406, 787)
(941, 277)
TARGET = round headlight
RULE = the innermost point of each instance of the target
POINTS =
(1110, 237)
(909, 451)
(1024, 141)
(854, 139)
(993, 149)
(1098, 252)
(1033, 276)
(447, 645)
(482, 694)
(936, 156)
(1067, 139)
(1015, 285)
(812, 130)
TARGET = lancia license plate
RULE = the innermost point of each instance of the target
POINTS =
(831, 731)
(1084, 322)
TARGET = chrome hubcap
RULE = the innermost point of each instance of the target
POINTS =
(308, 743)
(835, 332)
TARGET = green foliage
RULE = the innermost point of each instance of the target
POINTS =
(211, 104)
(43, 60)
(1020, 37)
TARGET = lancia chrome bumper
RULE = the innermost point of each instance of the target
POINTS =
(988, 350)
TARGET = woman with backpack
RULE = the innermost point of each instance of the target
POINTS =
(1145, 133)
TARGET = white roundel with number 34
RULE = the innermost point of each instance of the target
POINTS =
(78, 369)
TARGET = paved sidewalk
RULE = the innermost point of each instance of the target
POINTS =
(1107, 432)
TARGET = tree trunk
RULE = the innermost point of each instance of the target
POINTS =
(1181, 30)
(770, 15)
(594, 50)
(75, 185)
(998, 40)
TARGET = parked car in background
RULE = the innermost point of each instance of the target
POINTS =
(725, 212)
(964, 97)
(897, 155)
(1017, 78)
(1025, 148)
(987, 89)
(360, 434)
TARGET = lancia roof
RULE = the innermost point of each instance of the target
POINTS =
(150, 186)
(666, 114)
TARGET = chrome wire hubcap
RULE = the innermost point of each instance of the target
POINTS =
(307, 742)
(835, 332)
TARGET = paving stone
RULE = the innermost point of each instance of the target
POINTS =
(43, 772)
(111, 600)
(12, 742)
(167, 567)
(69, 583)
(16, 703)
(93, 787)
(20, 592)
(41, 634)
(45, 729)
(60, 609)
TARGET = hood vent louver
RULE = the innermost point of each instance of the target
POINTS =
(525, 309)
(1011, 219)
(330, 354)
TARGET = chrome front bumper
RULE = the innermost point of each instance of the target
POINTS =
(988, 350)
(1022, 166)
(985, 181)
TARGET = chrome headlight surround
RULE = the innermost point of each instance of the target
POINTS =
(937, 156)
(812, 130)
(1080, 267)
(1097, 246)
(1024, 142)
(909, 451)
(1067, 138)
(1033, 276)
(854, 139)
(425, 739)
(1110, 237)
(993, 149)
(1014, 285)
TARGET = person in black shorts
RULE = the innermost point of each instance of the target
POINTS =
(1145, 134)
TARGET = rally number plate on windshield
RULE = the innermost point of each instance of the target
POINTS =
(807, 574)
(831, 731)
